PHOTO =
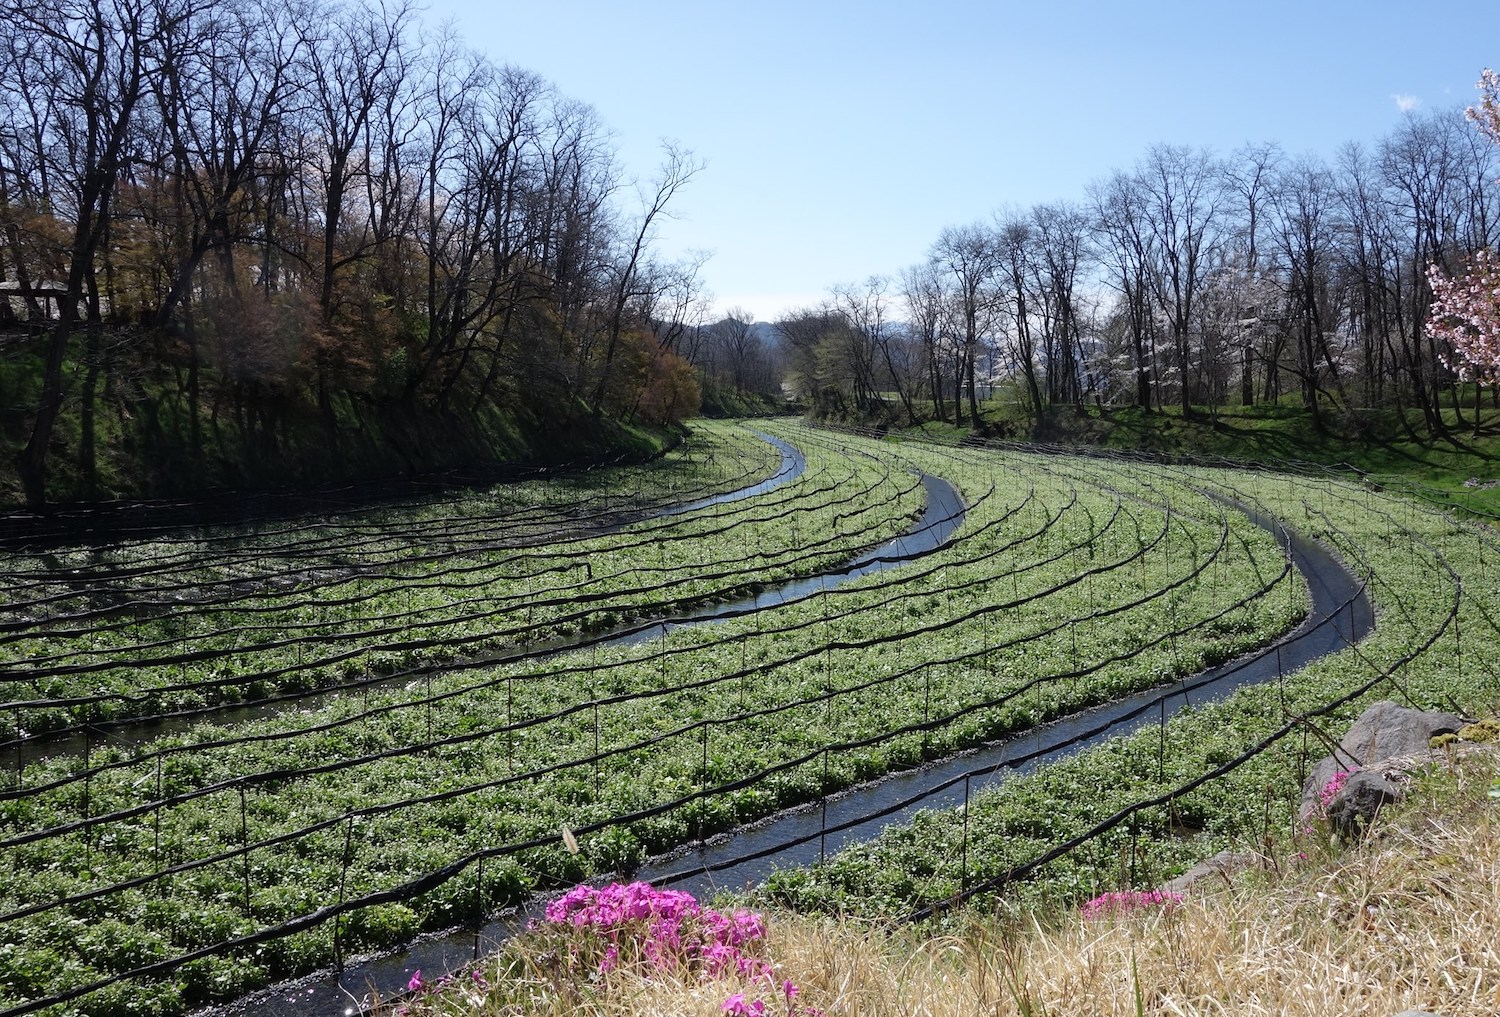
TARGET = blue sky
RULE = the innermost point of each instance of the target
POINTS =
(841, 137)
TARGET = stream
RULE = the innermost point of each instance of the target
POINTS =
(131, 732)
(1340, 616)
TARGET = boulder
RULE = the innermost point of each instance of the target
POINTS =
(1385, 731)
(1361, 798)
(1217, 868)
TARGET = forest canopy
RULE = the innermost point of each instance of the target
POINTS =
(226, 227)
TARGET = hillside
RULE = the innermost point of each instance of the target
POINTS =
(1404, 920)
(1462, 464)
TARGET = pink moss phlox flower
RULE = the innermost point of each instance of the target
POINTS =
(415, 984)
(663, 930)
(718, 958)
(612, 905)
(1123, 901)
(748, 926)
(1331, 789)
(738, 1006)
(753, 968)
(610, 960)
(666, 930)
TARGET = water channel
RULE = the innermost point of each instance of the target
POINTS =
(1340, 616)
(131, 732)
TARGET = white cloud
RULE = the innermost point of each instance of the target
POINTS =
(1406, 103)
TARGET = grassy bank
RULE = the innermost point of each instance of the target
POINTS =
(1405, 920)
(1461, 463)
(145, 437)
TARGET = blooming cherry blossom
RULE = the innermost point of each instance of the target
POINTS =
(1465, 313)
(1465, 310)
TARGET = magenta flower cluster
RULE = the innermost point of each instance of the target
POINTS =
(418, 987)
(1117, 902)
(1331, 789)
(637, 926)
(665, 929)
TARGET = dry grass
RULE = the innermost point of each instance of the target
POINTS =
(1411, 919)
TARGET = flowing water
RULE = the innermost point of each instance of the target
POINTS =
(1341, 615)
(133, 732)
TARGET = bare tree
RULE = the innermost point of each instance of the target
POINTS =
(678, 305)
(95, 61)
(1305, 228)
(1370, 263)
(1017, 242)
(1181, 188)
(969, 258)
(732, 349)
(678, 167)
(923, 296)
(816, 346)
(1061, 254)
(1249, 176)
(1129, 246)
(356, 61)
(881, 350)
(1420, 167)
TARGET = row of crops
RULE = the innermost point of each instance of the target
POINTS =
(450, 700)
(1137, 810)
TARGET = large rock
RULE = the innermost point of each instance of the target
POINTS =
(1385, 731)
(1219, 868)
(1361, 798)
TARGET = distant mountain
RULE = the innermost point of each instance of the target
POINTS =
(764, 331)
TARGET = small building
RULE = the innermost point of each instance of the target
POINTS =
(47, 295)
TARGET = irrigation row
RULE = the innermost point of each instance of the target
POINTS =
(263, 586)
(389, 623)
(439, 953)
(706, 789)
(730, 579)
(103, 524)
(334, 555)
(401, 540)
(1111, 720)
(1385, 674)
(428, 671)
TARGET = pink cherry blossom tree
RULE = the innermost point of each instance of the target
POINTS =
(1485, 114)
(1465, 311)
